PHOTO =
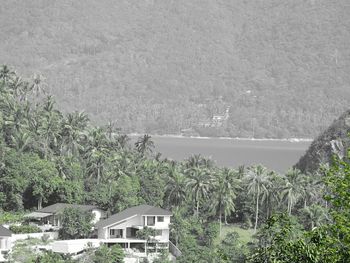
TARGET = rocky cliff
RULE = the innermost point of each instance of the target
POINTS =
(333, 141)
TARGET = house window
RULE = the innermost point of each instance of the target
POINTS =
(112, 232)
(151, 220)
(160, 218)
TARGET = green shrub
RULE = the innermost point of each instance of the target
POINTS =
(10, 217)
(24, 229)
(45, 238)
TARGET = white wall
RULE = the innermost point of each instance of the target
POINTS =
(136, 221)
(73, 246)
(5, 243)
(165, 235)
(163, 225)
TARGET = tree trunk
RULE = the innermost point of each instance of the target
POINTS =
(197, 204)
(257, 209)
(98, 174)
(220, 221)
(40, 203)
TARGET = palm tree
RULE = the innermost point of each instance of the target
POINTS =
(26, 88)
(122, 141)
(199, 183)
(144, 144)
(71, 133)
(38, 86)
(16, 86)
(49, 129)
(272, 196)
(316, 214)
(198, 160)
(293, 190)
(313, 189)
(6, 73)
(111, 129)
(96, 153)
(225, 186)
(15, 117)
(175, 187)
(21, 140)
(257, 184)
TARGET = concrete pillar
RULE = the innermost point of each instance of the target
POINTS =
(2, 243)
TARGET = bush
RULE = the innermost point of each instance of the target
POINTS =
(76, 224)
(45, 238)
(10, 217)
(24, 229)
(105, 254)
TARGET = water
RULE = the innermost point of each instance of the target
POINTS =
(275, 155)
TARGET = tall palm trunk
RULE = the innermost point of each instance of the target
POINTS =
(98, 174)
(220, 220)
(257, 209)
(197, 204)
(289, 205)
(40, 202)
(268, 207)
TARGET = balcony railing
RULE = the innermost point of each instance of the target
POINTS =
(174, 250)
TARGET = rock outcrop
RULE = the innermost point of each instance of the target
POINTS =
(333, 141)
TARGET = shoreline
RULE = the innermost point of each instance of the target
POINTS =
(179, 136)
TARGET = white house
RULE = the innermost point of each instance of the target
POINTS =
(121, 228)
(51, 215)
(5, 242)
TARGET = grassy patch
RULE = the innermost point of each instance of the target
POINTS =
(245, 235)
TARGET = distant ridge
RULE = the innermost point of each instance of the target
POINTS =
(159, 67)
(333, 141)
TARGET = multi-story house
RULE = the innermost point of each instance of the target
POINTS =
(122, 228)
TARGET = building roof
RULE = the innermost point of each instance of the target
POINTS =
(59, 207)
(37, 215)
(133, 211)
(4, 232)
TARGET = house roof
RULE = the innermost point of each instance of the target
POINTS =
(132, 211)
(59, 207)
(37, 215)
(4, 232)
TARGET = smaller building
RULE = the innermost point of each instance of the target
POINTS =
(51, 215)
(5, 242)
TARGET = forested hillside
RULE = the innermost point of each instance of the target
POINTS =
(160, 66)
(333, 142)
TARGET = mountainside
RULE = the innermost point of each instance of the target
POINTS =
(159, 66)
(334, 141)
